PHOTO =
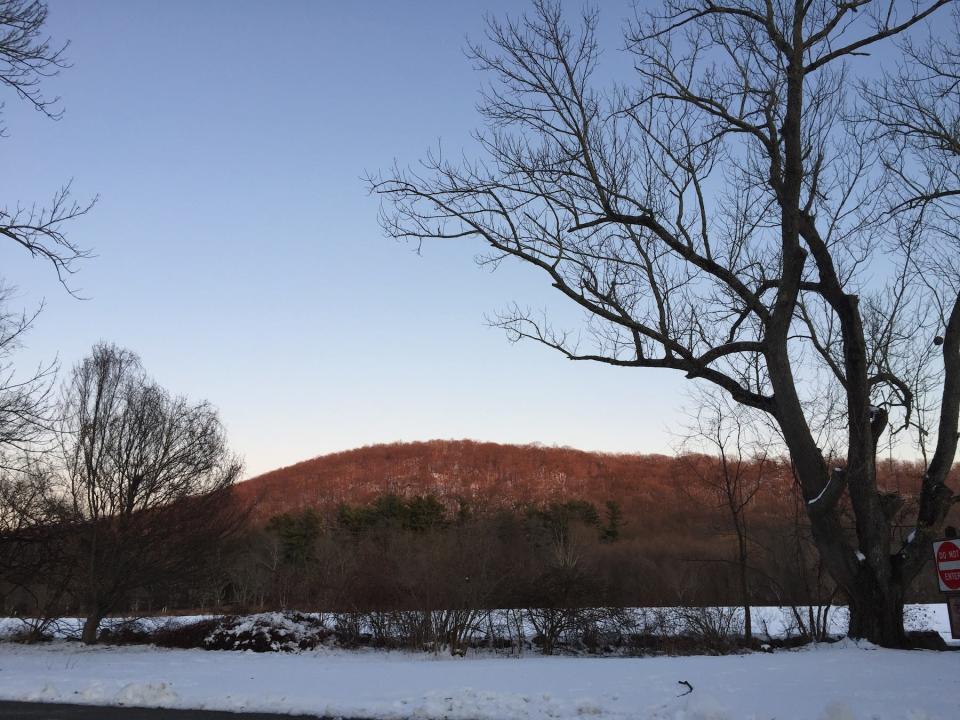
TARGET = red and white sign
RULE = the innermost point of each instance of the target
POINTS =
(947, 554)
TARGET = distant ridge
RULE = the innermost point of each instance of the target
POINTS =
(479, 472)
(655, 488)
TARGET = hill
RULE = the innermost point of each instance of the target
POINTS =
(479, 473)
(674, 531)
(486, 474)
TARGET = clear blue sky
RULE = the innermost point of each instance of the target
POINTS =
(239, 254)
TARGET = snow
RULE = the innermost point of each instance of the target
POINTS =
(841, 681)
(814, 501)
(70, 628)
(769, 622)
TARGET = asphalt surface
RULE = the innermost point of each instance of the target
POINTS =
(56, 711)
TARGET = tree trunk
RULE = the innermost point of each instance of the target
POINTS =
(90, 627)
(745, 591)
(876, 612)
(875, 597)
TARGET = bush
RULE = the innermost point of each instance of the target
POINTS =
(270, 632)
(348, 629)
(129, 632)
(186, 635)
(716, 629)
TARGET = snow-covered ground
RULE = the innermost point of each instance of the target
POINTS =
(840, 681)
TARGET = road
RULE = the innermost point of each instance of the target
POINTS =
(56, 711)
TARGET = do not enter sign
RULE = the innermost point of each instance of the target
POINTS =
(947, 554)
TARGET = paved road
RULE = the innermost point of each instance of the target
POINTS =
(55, 711)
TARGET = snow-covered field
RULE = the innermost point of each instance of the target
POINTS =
(840, 681)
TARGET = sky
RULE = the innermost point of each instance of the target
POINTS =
(237, 249)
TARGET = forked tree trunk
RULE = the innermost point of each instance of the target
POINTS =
(874, 595)
(875, 598)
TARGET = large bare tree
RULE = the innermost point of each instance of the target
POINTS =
(147, 476)
(727, 215)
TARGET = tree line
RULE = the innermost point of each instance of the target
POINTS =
(405, 554)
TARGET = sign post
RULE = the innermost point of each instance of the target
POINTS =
(947, 556)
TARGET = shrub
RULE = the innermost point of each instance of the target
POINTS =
(269, 632)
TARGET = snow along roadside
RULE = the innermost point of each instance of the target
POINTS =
(844, 681)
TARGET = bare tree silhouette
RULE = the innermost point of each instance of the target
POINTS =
(727, 217)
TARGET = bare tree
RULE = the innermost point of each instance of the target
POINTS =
(723, 429)
(29, 541)
(147, 476)
(24, 399)
(35, 573)
(913, 112)
(27, 57)
(725, 218)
